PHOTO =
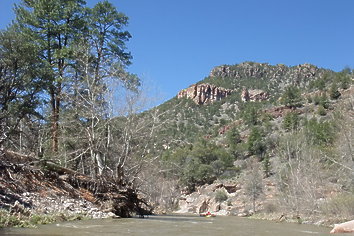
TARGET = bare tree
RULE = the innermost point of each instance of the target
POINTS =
(254, 182)
(300, 173)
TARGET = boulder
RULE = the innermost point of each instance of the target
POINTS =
(346, 227)
(254, 95)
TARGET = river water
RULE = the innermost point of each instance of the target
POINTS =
(173, 225)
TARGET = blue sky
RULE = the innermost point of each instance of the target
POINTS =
(176, 43)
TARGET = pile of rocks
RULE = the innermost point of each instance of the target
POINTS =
(54, 205)
(236, 203)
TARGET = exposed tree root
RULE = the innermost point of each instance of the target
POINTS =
(21, 174)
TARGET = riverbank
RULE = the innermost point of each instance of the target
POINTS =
(32, 209)
(229, 198)
(36, 191)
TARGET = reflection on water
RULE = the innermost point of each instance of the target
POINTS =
(173, 225)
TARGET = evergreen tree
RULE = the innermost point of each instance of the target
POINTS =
(292, 97)
(53, 26)
(19, 85)
(255, 143)
(250, 115)
(291, 121)
(78, 48)
(233, 137)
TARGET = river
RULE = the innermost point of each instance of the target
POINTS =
(173, 225)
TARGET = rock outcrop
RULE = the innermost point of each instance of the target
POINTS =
(254, 95)
(237, 202)
(204, 93)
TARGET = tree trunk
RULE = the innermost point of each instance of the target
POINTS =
(55, 102)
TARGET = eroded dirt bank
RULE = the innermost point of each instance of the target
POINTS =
(29, 186)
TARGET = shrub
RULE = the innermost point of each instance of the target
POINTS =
(333, 92)
(320, 133)
(341, 205)
(270, 207)
(255, 142)
(309, 99)
(221, 196)
(292, 97)
(321, 111)
(250, 114)
(291, 121)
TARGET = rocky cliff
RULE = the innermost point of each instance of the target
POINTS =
(204, 93)
(300, 74)
(259, 81)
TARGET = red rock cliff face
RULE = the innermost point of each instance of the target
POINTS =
(204, 93)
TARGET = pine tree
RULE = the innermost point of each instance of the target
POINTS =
(19, 85)
(292, 97)
(53, 26)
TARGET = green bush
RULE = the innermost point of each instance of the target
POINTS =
(292, 97)
(8, 219)
(320, 132)
(333, 92)
(291, 121)
(309, 99)
(250, 114)
(221, 196)
(321, 111)
(233, 137)
(343, 78)
(255, 144)
(42, 219)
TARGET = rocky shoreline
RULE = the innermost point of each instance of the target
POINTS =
(222, 198)
(235, 202)
(60, 205)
